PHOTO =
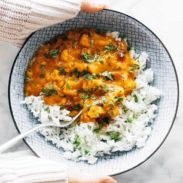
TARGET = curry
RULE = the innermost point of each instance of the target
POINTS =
(83, 69)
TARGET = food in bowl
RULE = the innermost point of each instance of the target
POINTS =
(99, 73)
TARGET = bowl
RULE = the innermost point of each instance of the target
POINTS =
(142, 39)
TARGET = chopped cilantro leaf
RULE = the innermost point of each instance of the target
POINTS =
(85, 57)
(108, 75)
(114, 135)
(77, 107)
(77, 141)
(134, 67)
(89, 76)
(87, 152)
(48, 92)
(62, 70)
(128, 120)
(84, 96)
(46, 55)
(110, 47)
(135, 98)
(54, 53)
(67, 85)
(119, 99)
(76, 72)
(47, 109)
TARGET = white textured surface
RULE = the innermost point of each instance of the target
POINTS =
(164, 17)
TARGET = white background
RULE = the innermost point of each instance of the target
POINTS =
(165, 18)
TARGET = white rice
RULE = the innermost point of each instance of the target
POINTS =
(81, 143)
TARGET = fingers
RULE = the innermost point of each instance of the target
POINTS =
(93, 6)
(105, 179)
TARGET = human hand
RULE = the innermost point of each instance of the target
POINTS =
(103, 179)
(92, 6)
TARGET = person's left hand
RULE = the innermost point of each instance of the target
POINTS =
(102, 179)
(92, 6)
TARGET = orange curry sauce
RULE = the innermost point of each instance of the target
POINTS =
(83, 69)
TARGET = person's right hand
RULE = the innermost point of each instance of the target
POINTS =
(92, 6)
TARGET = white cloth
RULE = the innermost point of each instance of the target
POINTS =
(19, 18)
(22, 167)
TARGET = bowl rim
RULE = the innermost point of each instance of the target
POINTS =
(174, 68)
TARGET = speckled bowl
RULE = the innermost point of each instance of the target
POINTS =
(140, 37)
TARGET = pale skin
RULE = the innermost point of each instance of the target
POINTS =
(92, 6)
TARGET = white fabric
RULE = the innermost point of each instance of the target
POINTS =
(22, 167)
(19, 18)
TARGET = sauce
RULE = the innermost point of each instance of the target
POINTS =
(83, 69)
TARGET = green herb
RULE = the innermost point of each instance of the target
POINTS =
(62, 70)
(108, 75)
(54, 53)
(49, 117)
(42, 68)
(67, 85)
(134, 67)
(85, 57)
(48, 92)
(111, 105)
(87, 152)
(84, 72)
(114, 135)
(46, 55)
(76, 72)
(89, 76)
(77, 107)
(93, 97)
(110, 47)
(105, 87)
(77, 141)
(84, 96)
(47, 109)
(124, 109)
(99, 128)
(135, 98)
(119, 99)
(130, 47)
(128, 120)
(106, 119)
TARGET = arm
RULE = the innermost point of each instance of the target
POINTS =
(23, 167)
(19, 18)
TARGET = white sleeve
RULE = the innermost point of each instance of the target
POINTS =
(19, 18)
(21, 167)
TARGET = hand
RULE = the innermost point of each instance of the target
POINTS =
(104, 179)
(92, 6)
